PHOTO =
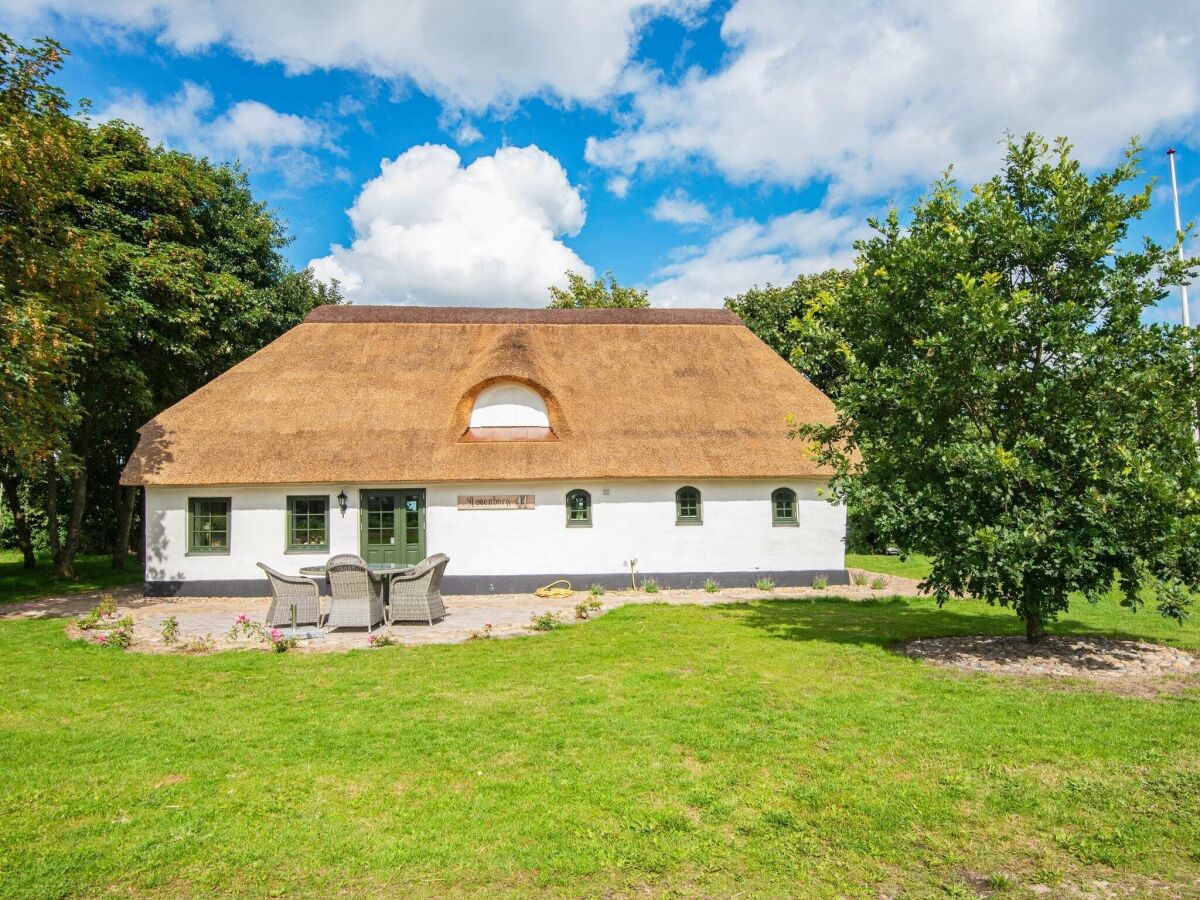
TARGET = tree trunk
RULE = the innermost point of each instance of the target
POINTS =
(52, 536)
(20, 523)
(127, 497)
(1035, 624)
(64, 567)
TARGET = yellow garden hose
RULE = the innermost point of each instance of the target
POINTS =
(550, 592)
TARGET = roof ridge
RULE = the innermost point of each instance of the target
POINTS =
(498, 315)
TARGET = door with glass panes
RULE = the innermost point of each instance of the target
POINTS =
(393, 526)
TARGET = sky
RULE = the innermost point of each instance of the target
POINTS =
(468, 152)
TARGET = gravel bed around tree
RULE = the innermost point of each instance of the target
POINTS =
(1109, 662)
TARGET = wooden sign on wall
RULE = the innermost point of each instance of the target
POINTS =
(496, 501)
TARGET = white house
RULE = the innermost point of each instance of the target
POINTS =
(527, 445)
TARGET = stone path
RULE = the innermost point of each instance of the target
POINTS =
(508, 614)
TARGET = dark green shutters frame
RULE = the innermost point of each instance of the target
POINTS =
(688, 510)
(579, 509)
(208, 525)
(783, 507)
(307, 524)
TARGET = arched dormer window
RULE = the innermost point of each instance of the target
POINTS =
(783, 507)
(579, 509)
(509, 411)
(687, 507)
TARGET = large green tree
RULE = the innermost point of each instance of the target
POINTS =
(788, 319)
(130, 275)
(1007, 410)
(604, 292)
(49, 303)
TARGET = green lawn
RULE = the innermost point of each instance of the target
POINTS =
(772, 748)
(915, 566)
(94, 572)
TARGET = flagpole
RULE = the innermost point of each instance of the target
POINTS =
(1183, 292)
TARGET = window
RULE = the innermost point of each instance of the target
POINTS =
(208, 525)
(687, 506)
(307, 524)
(509, 404)
(783, 507)
(579, 509)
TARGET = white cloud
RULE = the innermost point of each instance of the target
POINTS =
(876, 96)
(618, 186)
(466, 133)
(428, 230)
(468, 54)
(752, 253)
(261, 137)
(677, 207)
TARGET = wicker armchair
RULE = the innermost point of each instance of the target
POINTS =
(357, 597)
(417, 593)
(288, 591)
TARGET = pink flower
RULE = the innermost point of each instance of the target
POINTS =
(276, 634)
(100, 639)
(243, 619)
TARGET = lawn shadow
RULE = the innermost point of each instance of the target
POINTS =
(883, 622)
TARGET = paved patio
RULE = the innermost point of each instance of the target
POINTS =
(467, 615)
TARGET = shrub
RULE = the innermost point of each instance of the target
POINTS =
(547, 621)
(650, 585)
(244, 626)
(279, 643)
(585, 608)
(107, 606)
(382, 639)
(765, 584)
(878, 583)
(169, 629)
(206, 644)
(820, 582)
(120, 635)
(711, 586)
(596, 590)
(859, 577)
(483, 634)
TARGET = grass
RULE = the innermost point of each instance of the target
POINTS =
(915, 566)
(775, 748)
(94, 573)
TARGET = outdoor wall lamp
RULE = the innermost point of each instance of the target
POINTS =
(342, 498)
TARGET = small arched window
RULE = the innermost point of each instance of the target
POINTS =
(579, 509)
(687, 506)
(783, 507)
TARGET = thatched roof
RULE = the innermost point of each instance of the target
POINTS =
(384, 394)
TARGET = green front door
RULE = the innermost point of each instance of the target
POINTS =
(393, 526)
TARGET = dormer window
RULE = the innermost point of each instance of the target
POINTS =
(509, 411)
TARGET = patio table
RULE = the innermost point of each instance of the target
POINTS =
(379, 571)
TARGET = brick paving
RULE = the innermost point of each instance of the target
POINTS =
(508, 614)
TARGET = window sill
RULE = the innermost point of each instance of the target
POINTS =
(689, 522)
(207, 553)
(304, 551)
(579, 524)
(786, 524)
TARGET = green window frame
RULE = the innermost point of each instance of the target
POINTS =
(783, 507)
(308, 524)
(688, 506)
(209, 525)
(579, 509)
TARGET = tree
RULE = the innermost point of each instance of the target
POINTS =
(1006, 410)
(789, 320)
(602, 293)
(194, 282)
(49, 304)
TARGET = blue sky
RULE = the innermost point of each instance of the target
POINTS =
(695, 149)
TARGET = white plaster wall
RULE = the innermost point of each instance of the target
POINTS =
(633, 519)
